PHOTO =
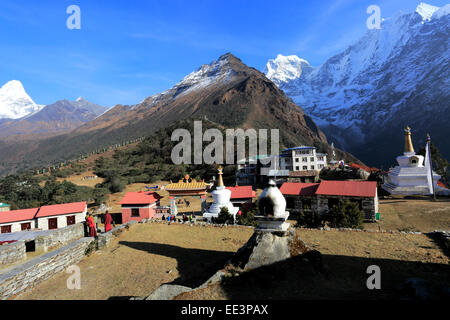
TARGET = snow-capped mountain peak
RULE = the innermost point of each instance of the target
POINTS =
(426, 11)
(285, 68)
(206, 75)
(15, 102)
(443, 11)
(388, 76)
(215, 73)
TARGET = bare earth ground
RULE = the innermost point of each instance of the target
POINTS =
(146, 256)
(78, 179)
(403, 214)
(346, 256)
(149, 255)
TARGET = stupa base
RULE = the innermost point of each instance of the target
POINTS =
(272, 224)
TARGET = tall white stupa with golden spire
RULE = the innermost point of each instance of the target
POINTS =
(221, 198)
(412, 176)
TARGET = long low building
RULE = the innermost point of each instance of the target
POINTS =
(43, 218)
(321, 197)
(242, 196)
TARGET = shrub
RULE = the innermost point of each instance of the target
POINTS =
(309, 219)
(247, 218)
(224, 217)
(345, 214)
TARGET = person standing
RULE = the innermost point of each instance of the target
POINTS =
(108, 220)
(93, 231)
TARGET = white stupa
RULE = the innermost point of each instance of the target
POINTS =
(272, 210)
(221, 198)
(411, 176)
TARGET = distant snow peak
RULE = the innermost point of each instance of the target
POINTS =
(285, 68)
(15, 103)
(80, 99)
(445, 10)
(426, 11)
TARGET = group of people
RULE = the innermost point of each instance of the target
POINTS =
(189, 218)
(92, 223)
(172, 218)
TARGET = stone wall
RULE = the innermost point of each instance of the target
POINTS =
(12, 252)
(104, 239)
(59, 237)
(31, 273)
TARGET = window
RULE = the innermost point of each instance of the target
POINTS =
(305, 159)
(297, 159)
(135, 212)
(70, 220)
(312, 159)
(6, 229)
(52, 223)
(312, 167)
(297, 168)
(25, 226)
(305, 167)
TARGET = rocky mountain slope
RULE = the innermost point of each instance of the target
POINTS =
(225, 91)
(365, 95)
(58, 117)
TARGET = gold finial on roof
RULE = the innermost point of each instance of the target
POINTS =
(408, 143)
(220, 177)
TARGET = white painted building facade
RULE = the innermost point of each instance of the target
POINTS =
(302, 158)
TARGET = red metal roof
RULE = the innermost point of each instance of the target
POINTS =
(17, 215)
(142, 197)
(59, 209)
(242, 192)
(348, 188)
(299, 189)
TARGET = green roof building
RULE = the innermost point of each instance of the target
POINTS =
(4, 206)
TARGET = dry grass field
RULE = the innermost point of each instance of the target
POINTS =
(420, 214)
(345, 257)
(141, 259)
(148, 255)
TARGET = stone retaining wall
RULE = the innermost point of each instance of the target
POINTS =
(12, 252)
(29, 274)
(104, 239)
(59, 237)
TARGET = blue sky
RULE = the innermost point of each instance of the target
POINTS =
(129, 50)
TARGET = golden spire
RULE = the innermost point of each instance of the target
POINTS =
(408, 143)
(220, 177)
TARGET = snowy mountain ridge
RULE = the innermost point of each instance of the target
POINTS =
(390, 75)
(15, 103)
(218, 71)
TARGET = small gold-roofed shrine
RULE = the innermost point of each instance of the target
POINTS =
(186, 187)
